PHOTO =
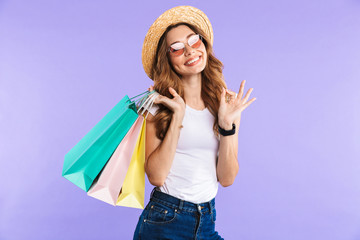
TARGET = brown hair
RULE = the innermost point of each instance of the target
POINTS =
(165, 76)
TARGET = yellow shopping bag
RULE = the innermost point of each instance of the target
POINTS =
(133, 189)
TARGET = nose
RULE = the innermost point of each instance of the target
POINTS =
(188, 50)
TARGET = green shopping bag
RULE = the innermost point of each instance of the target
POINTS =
(88, 157)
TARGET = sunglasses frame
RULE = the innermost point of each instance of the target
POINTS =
(200, 37)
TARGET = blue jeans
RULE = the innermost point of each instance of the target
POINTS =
(167, 217)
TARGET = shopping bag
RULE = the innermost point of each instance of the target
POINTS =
(87, 158)
(133, 189)
(107, 187)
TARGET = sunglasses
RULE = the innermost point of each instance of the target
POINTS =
(178, 49)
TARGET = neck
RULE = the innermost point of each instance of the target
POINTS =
(192, 91)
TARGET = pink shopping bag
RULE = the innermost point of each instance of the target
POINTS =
(110, 180)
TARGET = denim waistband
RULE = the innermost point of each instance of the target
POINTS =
(183, 205)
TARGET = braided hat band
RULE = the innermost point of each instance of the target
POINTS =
(187, 14)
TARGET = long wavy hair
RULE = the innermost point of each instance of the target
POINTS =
(164, 76)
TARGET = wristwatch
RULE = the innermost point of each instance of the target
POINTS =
(227, 132)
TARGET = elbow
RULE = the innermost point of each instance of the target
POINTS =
(229, 179)
(155, 179)
(227, 182)
(156, 182)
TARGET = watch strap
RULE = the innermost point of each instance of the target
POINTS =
(227, 132)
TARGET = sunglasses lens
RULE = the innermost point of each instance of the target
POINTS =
(176, 52)
(177, 49)
(195, 41)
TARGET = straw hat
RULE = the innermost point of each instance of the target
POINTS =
(174, 15)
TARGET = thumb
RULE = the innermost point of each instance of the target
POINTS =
(173, 92)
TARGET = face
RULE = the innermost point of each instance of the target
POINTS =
(181, 63)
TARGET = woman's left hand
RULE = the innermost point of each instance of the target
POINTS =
(230, 111)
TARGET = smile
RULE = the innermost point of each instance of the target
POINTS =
(193, 62)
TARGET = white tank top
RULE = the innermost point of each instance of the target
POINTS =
(192, 176)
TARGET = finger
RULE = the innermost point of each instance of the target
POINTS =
(248, 103)
(157, 99)
(156, 94)
(151, 88)
(241, 90)
(230, 92)
(160, 99)
(248, 94)
(173, 92)
(222, 97)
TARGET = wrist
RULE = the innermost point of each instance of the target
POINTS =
(177, 119)
(226, 125)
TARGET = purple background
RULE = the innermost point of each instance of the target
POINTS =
(65, 64)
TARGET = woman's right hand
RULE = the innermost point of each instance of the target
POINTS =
(175, 104)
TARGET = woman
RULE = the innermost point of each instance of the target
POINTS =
(192, 131)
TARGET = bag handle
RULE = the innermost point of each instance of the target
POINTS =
(147, 93)
(152, 102)
(148, 103)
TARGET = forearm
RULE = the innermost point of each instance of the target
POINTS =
(160, 161)
(227, 165)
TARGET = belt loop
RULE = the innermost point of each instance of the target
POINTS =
(152, 192)
(181, 204)
(211, 206)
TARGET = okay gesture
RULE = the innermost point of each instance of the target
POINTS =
(231, 107)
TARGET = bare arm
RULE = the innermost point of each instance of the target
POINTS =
(230, 112)
(227, 165)
(159, 155)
